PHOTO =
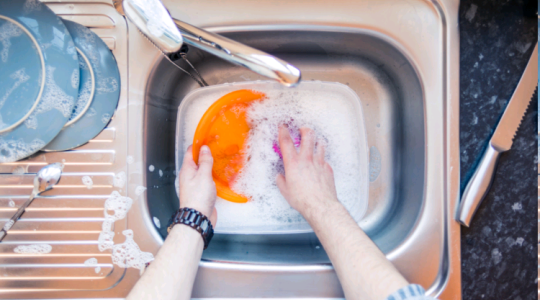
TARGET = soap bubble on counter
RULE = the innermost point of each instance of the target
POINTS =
(19, 170)
(118, 204)
(129, 255)
(11, 203)
(129, 159)
(33, 249)
(139, 190)
(86, 180)
(93, 262)
(119, 179)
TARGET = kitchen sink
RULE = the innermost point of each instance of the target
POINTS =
(402, 80)
(393, 104)
(400, 57)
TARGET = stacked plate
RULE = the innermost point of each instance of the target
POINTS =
(59, 82)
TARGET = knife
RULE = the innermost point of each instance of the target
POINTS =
(501, 141)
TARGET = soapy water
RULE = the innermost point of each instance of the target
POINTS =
(86, 180)
(334, 120)
(7, 31)
(33, 249)
(139, 190)
(93, 262)
(105, 118)
(75, 76)
(119, 179)
(127, 254)
(157, 222)
(13, 150)
(21, 77)
(53, 98)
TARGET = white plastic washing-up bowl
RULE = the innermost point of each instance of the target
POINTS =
(195, 104)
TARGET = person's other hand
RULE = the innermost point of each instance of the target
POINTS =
(197, 187)
(309, 180)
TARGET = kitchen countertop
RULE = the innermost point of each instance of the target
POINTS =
(499, 250)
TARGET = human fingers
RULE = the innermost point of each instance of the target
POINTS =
(282, 185)
(189, 167)
(319, 156)
(286, 145)
(308, 142)
(205, 162)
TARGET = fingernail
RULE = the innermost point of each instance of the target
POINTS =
(205, 149)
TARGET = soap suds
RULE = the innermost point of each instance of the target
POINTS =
(7, 31)
(19, 170)
(105, 118)
(86, 180)
(8, 225)
(151, 168)
(13, 150)
(129, 159)
(33, 249)
(20, 77)
(75, 76)
(93, 262)
(160, 173)
(127, 254)
(157, 222)
(11, 203)
(335, 121)
(53, 98)
(139, 190)
(119, 179)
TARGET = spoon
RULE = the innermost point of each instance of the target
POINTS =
(45, 179)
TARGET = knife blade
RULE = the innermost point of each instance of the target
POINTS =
(500, 141)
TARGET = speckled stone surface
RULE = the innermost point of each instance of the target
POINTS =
(499, 251)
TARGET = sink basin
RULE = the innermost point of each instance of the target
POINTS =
(392, 100)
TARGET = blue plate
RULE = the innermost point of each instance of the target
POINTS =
(99, 91)
(39, 77)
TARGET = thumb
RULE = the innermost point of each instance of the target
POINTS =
(205, 162)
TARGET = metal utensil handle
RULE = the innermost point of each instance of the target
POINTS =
(18, 214)
(240, 54)
(478, 186)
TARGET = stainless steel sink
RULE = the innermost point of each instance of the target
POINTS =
(400, 57)
(392, 99)
(402, 81)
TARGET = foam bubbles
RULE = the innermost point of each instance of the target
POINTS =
(86, 180)
(13, 150)
(334, 119)
(20, 77)
(19, 170)
(119, 205)
(129, 159)
(139, 190)
(53, 98)
(33, 249)
(119, 179)
(151, 168)
(105, 118)
(107, 85)
(75, 78)
(129, 255)
(160, 173)
(11, 203)
(93, 262)
(7, 31)
(157, 222)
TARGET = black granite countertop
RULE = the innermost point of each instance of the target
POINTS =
(499, 251)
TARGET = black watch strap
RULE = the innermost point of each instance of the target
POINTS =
(196, 220)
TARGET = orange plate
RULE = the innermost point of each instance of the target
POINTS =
(224, 129)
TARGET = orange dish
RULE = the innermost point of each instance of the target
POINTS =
(224, 129)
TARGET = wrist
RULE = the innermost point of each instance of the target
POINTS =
(321, 210)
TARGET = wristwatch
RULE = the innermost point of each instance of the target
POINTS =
(196, 220)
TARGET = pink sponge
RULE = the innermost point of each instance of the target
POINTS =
(295, 135)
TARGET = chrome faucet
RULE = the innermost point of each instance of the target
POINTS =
(168, 34)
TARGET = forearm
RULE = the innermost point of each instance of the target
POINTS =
(363, 270)
(172, 274)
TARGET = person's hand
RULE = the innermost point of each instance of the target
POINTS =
(309, 180)
(197, 188)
